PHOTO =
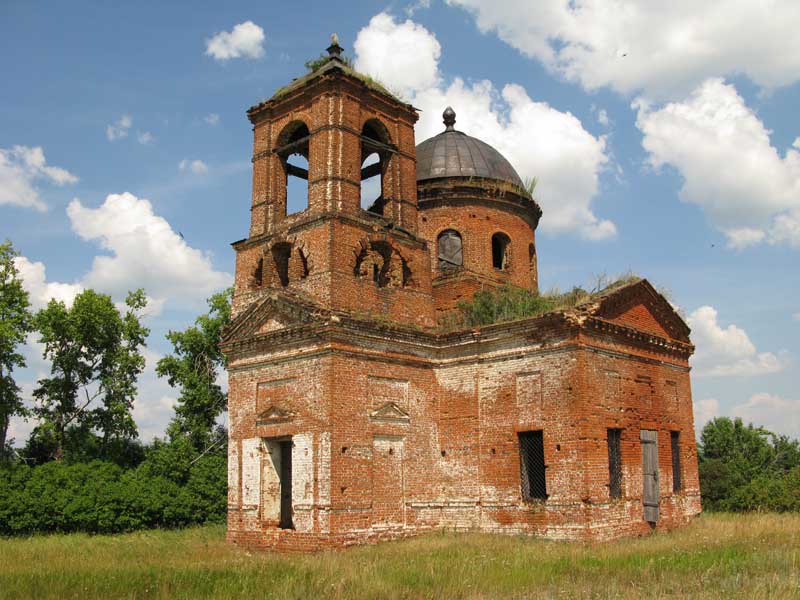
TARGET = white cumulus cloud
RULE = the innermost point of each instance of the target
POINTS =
(727, 351)
(244, 40)
(659, 48)
(41, 291)
(211, 119)
(536, 138)
(775, 413)
(403, 55)
(145, 252)
(198, 167)
(729, 167)
(20, 167)
(704, 411)
(119, 129)
(144, 137)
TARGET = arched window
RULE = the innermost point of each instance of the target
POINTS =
(293, 151)
(451, 252)
(532, 256)
(375, 148)
(500, 251)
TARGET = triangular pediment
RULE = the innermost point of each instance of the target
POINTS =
(390, 412)
(270, 314)
(273, 414)
(641, 306)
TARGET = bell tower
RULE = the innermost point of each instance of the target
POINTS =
(341, 251)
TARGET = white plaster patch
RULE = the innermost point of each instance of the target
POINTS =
(251, 472)
(233, 475)
(271, 482)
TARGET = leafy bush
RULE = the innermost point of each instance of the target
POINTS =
(171, 488)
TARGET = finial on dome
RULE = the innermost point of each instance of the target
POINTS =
(335, 50)
(449, 117)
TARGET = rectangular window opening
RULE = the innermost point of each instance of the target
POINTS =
(675, 439)
(532, 467)
(614, 463)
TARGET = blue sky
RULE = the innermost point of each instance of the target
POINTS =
(665, 141)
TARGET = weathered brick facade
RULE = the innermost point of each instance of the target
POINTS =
(353, 418)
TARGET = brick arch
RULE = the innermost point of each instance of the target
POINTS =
(291, 132)
(381, 259)
(285, 261)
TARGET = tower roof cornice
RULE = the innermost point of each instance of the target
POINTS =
(328, 67)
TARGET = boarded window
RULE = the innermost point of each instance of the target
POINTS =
(531, 458)
(451, 254)
(614, 463)
(675, 439)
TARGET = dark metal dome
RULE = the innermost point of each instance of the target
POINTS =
(455, 154)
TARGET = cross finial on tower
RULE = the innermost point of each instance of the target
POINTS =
(335, 50)
(449, 117)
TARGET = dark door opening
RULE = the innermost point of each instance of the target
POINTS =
(286, 485)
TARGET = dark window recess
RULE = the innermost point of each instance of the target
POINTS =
(532, 467)
(281, 253)
(500, 244)
(675, 439)
(614, 463)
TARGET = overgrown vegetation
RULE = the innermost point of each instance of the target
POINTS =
(747, 468)
(716, 556)
(174, 486)
(83, 467)
(509, 303)
(317, 63)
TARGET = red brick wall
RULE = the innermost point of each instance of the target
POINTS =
(477, 224)
(398, 429)
(455, 454)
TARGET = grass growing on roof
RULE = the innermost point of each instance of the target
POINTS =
(509, 303)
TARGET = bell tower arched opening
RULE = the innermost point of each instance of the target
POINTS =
(375, 146)
(293, 150)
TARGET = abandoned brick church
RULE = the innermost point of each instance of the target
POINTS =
(354, 417)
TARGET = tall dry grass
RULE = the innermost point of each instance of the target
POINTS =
(717, 556)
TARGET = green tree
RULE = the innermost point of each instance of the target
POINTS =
(96, 359)
(743, 467)
(194, 367)
(15, 323)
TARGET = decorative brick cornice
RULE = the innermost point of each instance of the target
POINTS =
(364, 220)
(548, 332)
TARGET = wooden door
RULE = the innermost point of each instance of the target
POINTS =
(286, 485)
(650, 492)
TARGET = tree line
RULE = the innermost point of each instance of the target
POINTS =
(84, 469)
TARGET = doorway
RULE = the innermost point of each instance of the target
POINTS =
(286, 484)
(650, 491)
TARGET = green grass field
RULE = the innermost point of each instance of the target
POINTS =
(717, 556)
